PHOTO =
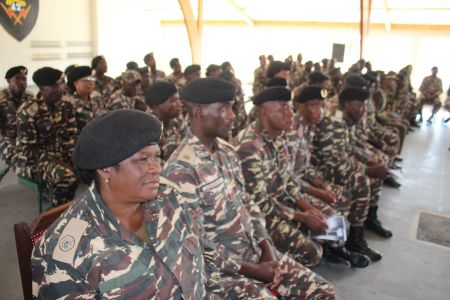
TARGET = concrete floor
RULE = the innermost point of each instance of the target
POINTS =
(410, 269)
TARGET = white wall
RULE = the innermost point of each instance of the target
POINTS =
(64, 23)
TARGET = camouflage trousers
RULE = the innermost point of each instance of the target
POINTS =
(294, 282)
(389, 136)
(58, 179)
(375, 191)
(358, 188)
(436, 102)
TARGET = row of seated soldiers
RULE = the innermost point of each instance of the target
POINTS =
(330, 157)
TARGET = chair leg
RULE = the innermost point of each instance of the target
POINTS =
(4, 172)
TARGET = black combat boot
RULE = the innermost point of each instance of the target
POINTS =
(357, 243)
(356, 260)
(391, 182)
(372, 223)
(334, 260)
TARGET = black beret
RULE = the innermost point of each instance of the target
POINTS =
(96, 60)
(16, 70)
(212, 68)
(78, 73)
(310, 93)
(208, 90)
(113, 137)
(356, 81)
(277, 81)
(191, 69)
(371, 77)
(276, 67)
(274, 93)
(317, 76)
(159, 92)
(350, 94)
(46, 76)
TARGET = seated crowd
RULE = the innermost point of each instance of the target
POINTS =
(196, 199)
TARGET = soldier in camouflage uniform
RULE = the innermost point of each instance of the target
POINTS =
(237, 249)
(46, 137)
(87, 102)
(129, 235)
(259, 75)
(162, 98)
(10, 100)
(149, 73)
(333, 156)
(177, 76)
(105, 85)
(431, 89)
(267, 155)
(127, 97)
(240, 115)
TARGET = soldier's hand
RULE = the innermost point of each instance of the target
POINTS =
(316, 222)
(378, 171)
(327, 196)
(268, 253)
(266, 271)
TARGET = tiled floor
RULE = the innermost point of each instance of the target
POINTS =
(410, 269)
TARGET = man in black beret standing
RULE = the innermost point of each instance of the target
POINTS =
(10, 100)
(129, 235)
(238, 252)
(163, 101)
(46, 137)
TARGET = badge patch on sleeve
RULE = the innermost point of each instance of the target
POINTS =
(68, 242)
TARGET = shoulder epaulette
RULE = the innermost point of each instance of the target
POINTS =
(187, 154)
(225, 143)
(165, 181)
(69, 239)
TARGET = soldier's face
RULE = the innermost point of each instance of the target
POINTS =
(278, 114)
(84, 86)
(130, 89)
(102, 66)
(172, 107)
(51, 94)
(177, 68)
(353, 111)
(312, 111)
(18, 84)
(217, 119)
(136, 179)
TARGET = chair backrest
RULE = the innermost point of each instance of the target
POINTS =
(26, 237)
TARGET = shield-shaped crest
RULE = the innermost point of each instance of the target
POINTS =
(18, 16)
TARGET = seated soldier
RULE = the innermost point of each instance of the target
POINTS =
(128, 96)
(10, 100)
(87, 102)
(267, 155)
(238, 252)
(333, 156)
(127, 236)
(105, 85)
(431, 89)
(162, 98)
(46, 137)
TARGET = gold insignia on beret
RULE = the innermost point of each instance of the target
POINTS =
(24, 71)
(323, 93)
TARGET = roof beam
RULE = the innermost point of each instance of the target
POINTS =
(194, 28)
(242, 12)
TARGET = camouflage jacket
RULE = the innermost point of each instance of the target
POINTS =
(153, 77)
(86, 112)
(118, 100)
(260, 79)
(106, 86)
(8, 123)
(88, 254)
(431, 87)
(230, 224)
(178, 80)
(266, 165)
(44, 133)
(332, 150)
(171, 136)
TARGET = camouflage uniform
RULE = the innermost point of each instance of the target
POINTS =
(269, 182)
(119, 100)
(45, 142)
(8, 124)
(332, 155)
(171, 136)
(88, 254)
(178, 80)
(86, 112)
(260, 79)
(430, 89)
(240, 116)
(105, 86)
(231, 226)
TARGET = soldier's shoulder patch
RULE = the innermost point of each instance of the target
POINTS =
(187, 154)
(3, 96)
(226, 144)
(68, 241)
(165, 181)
